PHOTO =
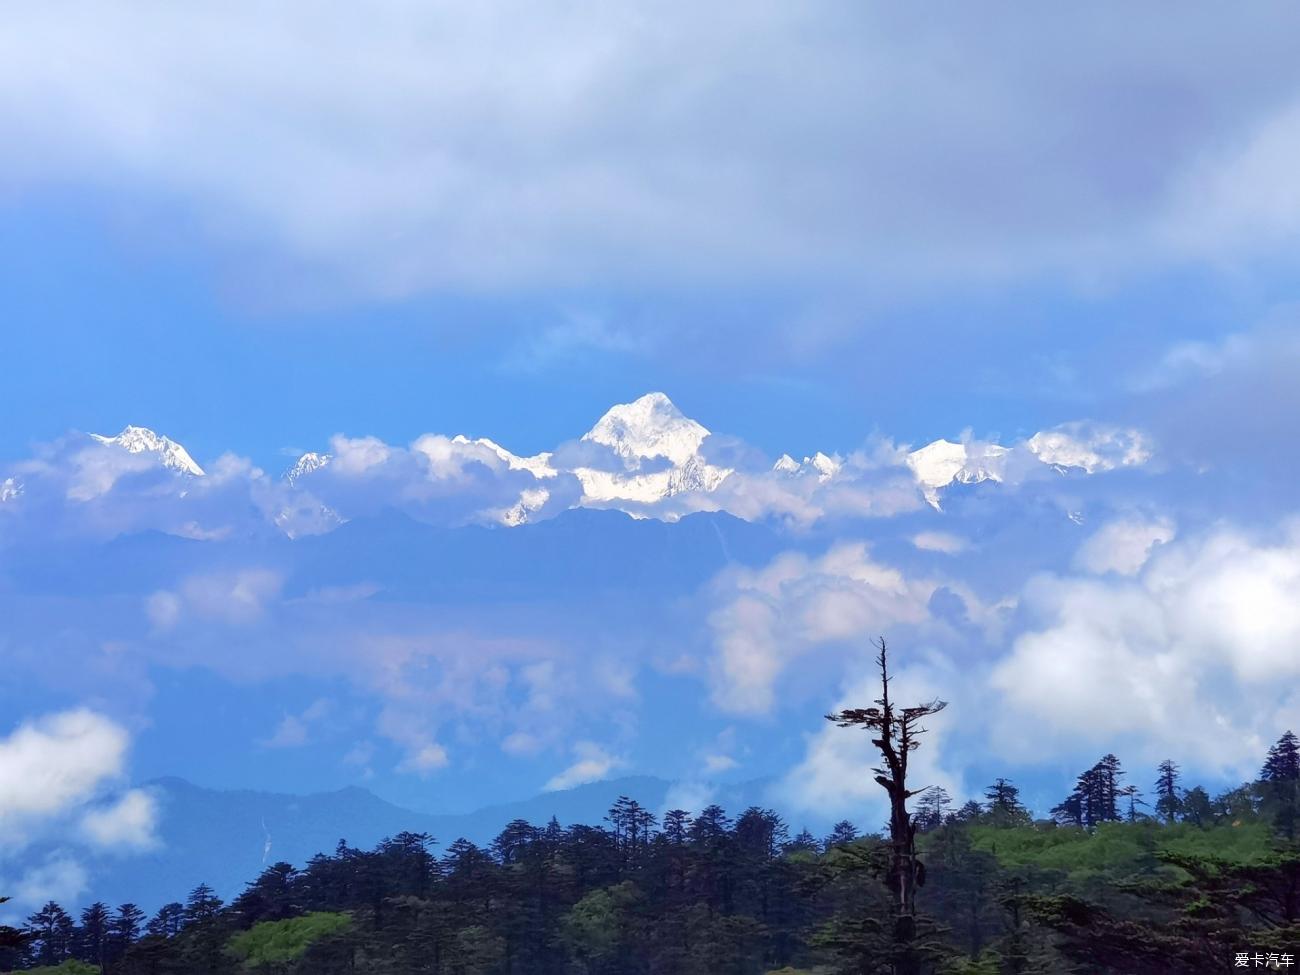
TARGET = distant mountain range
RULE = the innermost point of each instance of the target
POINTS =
(644, 457)
(224, 838)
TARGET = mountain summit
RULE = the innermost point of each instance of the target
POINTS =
(659, 448)
(648, 427)
(941, 463)
(142, 440)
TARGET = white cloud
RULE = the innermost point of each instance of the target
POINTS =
(691, 796)
(769, 617)
(294, 730)
(128, 824)
(425, 759)
(521, 743)
(406, 725)
(940, 542)
(592, 764)
(237, 598)
(1123, 546)
(1090, 446)
(60, 878)
(476, 146)
(51, 765)
(1194, 653)
(719, 763)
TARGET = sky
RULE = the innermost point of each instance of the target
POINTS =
(848, 228)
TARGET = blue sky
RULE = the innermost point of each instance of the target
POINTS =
(1063, 242)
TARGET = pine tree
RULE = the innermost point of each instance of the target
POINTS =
(932, 808)
(93, 934)
(52, 929)
(1096, 796)
(1108, 773)
(842, 834)
(1281, 780)
(1283, 762)
(202, 905)
(205, 932)
(168, 922)
(1133, 795)
(124, 930)
(803, 842)
(1198, 808)
(1004, 805)
(13, 943)
(896, 732)
(677, 822)
(1169, 803)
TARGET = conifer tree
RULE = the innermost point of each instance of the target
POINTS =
(52, 929)
(1281, 779)
(1169, 802)
(896, 732)
(932, 808)
(93, 934)
(1004, 805)
(13, 943)
(1283, 762)
(168, 922)
(124, 930)
(842, 834)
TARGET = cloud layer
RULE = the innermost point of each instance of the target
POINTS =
(415, 147)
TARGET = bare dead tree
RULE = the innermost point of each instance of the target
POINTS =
(896, 731)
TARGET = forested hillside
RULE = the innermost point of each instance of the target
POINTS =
(1108, 883)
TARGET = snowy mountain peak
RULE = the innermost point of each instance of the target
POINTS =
(539, 465)
(823, 466)
(648, 427)
(142, 440)
(308, 462)
(941, 463)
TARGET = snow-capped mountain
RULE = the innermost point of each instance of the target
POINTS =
(643, 457)
(659, 450)
(308, 462)
(819, 465)
(647, 428)
(539, 465)
(141, 440)
(941, 463)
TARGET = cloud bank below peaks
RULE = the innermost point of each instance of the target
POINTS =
(644, 458)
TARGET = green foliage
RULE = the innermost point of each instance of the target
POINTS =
(1118, 849)
(69, 967)
(593, 927)
(272, 943)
